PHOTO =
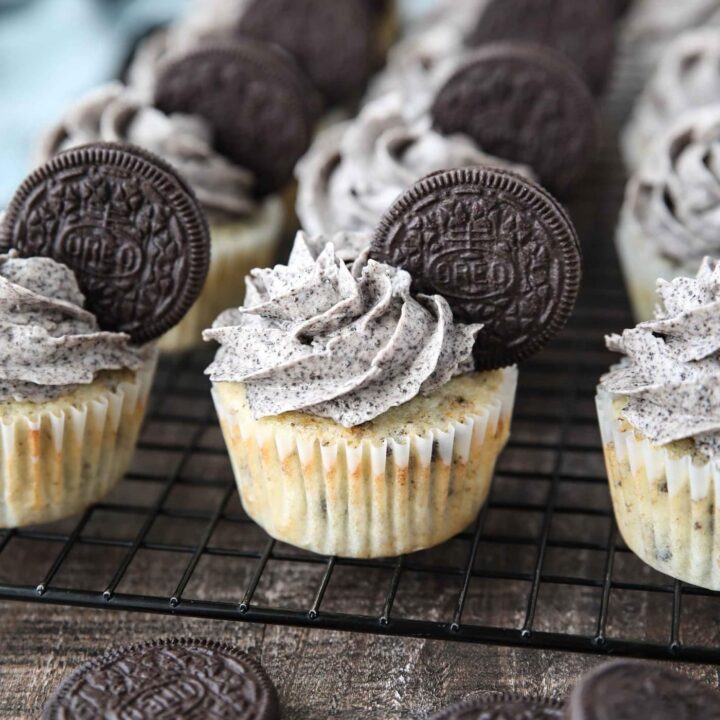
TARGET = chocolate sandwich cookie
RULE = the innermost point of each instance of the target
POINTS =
(627, 690)
(522, 103)
(497, 247)
(127, 225)
(178, 678)
(333, 42)
(254, 98)
(503, 707)
(582, 31)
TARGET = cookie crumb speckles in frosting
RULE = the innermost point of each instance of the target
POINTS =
(337, 343)
(48, 343)
(671, 372)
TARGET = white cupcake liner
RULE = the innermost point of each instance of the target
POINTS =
(665, 502)
(236, 249)
(62, 457)
(376, 498)
(643, 265)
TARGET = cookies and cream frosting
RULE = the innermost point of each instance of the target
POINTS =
(671, 373)
(356, 170)
(687, 77)
(675, 195)
(114, 113)
(48, 343)
(347, 344)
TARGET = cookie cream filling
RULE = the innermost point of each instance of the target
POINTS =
(113, 113)
(344, 344)
(671, 372)
(675, 195)
(356, 170)
(48, 343)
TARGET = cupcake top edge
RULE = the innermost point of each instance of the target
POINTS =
(49, 343)
(669, 374)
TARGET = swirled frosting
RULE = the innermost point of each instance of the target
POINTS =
(355, 171)
(317, 337)
(48, 343)
(687, 77)
(671, 373)
(114, 113)
(675, 195)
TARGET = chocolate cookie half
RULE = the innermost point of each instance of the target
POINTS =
(522, 103)
(497, 247)
(332, 41)
(253, 97)
(503, 707)
(582, 30)
(627, 690)
(178, 678)
(128, 226)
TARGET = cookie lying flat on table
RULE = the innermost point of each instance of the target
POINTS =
(503, 707)
(176, 678)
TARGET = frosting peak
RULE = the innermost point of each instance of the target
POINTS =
(48, 343)
(345, 344)
(671, 373)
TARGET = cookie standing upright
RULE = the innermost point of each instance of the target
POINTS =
(105, 249)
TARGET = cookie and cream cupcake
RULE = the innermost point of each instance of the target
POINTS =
(364, 408)
(658, 412)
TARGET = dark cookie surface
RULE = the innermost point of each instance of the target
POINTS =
(525, 104)
(503, 707)
(629, 690)
(332, 41)
(126, 224)
(254, 99)
(497, 247)
(189, 679)
(582, 31)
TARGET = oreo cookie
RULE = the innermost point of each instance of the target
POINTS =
(523, 103)
(627, 690)
(503, 707)
(254, 98)
(499, 248)
(178, 678)
(128, 226)
(333, 42)
(582, 30)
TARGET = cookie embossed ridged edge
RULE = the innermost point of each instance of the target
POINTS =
(168, 183)
(53, 707)
(490, 702)
(533, 197)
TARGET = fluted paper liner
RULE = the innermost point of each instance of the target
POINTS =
(367, 500)
(665, 501)
(64, 457)
(236, 248)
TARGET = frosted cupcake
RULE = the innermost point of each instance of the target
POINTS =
(687, 77)
(245, 230)
(362, 416)
(670, 218)
(105, 248)
(659, 413)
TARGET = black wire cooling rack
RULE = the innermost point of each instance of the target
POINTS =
(544, 565)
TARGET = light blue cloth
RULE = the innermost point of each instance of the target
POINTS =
(53, 51)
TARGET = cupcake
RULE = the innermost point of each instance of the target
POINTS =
(658, 412)
(670, 218)
(687, 77)
(103, 250)
(355, 170)
(362, 415)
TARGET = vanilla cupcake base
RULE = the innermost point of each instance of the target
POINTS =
(410, 479)
(642, 266)
(664, 498)
(236, 248)
(60, 456)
